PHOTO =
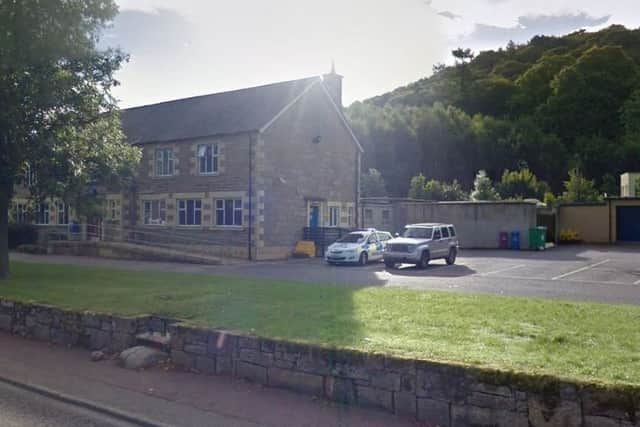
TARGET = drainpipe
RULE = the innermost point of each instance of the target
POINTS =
(250, 234)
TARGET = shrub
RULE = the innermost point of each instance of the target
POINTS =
(22, 234)
(32, 249)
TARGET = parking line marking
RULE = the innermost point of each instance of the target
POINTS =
(588, 267)
(513, 267)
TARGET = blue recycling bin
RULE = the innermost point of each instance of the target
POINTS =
(515, 240)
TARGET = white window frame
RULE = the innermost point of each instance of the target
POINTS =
(386, 220)
(42, 214)
(334, 216)
(21, 213)
(113, 210)
(201, 157)
(62, 208)
(349, 215)
(147, 212)
(164, 162)
(183, 207)
(236, 209)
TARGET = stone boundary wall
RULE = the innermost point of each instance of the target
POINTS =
(438, 394)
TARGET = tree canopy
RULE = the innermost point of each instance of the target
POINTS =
(553, 104)
(58, 117)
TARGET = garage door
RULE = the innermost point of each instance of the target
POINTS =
(628, 223)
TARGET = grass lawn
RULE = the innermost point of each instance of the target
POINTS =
(581, 341)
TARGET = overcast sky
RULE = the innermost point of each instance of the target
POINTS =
(182, 48)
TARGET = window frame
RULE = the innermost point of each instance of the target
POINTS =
(161, 209)
(64, 211)
(214, 159)
(349, 215)
(445, 232)
(386, 216)
(21, 213)
(439, 233)
(196, 213)
(167, 159)
(222, 209)
(112, 210)
(334, 216)
(42, 213)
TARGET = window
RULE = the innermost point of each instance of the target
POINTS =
(350, 216)
(452, 231)
(436, 234)
(113, 211)
(334, 216)
(21, 213)
(208, 158)
(383, 237)
(42, 213)
(155, 212)
(190, 212)
(368, 215)
(62, 213)
(445, 233)
(229, 212)
(164, 161)
(386, 217)
(373, 238)
(29, 177)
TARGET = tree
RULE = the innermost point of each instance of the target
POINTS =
(58, 115)
(483, 188)
(579, 189)
(521, 184)
(372, 184)
(421, 188)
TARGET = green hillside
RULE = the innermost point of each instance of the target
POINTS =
(551, 105)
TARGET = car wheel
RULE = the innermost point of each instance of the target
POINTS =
(451, 259)
(390, 264)
(424, 260)
(364, 259)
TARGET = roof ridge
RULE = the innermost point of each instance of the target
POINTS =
(220, 93)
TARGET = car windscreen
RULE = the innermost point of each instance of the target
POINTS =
(352, 238)
(418, 232)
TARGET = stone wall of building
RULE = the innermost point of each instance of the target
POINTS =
(438, 394)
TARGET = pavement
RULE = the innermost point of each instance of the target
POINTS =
(609, 274)
(46, 385)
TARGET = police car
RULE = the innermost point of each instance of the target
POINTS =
(358, 247)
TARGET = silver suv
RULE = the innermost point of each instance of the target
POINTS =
(421, 243)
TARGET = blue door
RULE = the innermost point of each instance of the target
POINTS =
(628, 223)
(314, 214)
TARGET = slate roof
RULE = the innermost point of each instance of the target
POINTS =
(236, 111)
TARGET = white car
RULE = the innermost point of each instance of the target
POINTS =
(358, 247)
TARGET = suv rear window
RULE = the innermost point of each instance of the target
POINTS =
(452, 231)
(445, 233)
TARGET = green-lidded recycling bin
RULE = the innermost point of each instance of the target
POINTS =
(537, 238)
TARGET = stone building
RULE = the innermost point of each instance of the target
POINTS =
(239, 173)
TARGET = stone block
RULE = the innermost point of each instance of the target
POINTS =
(41, 332)
(256, 357)
(120, 341)
(224, 365)
(99, 339)
(595, 421)
(267, 346)
(466, 415)
(298, 381)
(494, 401)
(341, 390)
(123, 325)
(284, 364)
(30, 321)
(441, 383)
(219, 343)
(206, 365)
(43, 316)
(405, 404)
(556, 414)
(195, 335)
(249, 343)
(375, 397)
(434, 412)
(251, 372)
(309, 364)
(6, 322)
(604, 403)
(183, 359)
(386, 380)
(200, 349)
(90, 320)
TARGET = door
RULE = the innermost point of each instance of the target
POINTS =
(628, 223)
(375, 247)
(314, 216)
(437, 245)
